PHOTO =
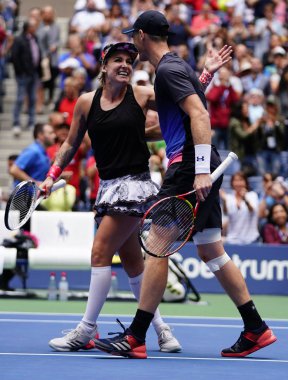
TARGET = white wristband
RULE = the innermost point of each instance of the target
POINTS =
(202, 158)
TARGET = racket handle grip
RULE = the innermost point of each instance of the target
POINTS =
(223, 166)
(58, 185)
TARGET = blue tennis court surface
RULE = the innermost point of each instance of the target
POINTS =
(25, 354)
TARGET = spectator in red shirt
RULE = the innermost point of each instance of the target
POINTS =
(197, 5)
(201, 27)
(221, 97)
(68, 100)
(72, 171)
(201, 23)
(93, 180)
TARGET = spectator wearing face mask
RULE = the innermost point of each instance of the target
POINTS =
(255, 99)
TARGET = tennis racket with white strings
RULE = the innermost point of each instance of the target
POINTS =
(23, 201)
(168, 224)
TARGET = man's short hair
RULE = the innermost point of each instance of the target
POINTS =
(37, 130)
(12, 157)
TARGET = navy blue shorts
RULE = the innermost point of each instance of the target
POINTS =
(179, 179)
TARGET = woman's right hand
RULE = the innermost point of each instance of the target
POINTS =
(47, 186)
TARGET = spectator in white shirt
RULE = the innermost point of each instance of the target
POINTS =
(100, 5)
(88, 18)
(241, 208)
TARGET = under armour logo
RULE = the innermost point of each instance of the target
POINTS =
(200, 158)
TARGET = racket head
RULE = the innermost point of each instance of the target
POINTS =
(166, 226)
(20, 205)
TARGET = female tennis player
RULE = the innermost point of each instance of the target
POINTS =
(186, 128)
(114, 117)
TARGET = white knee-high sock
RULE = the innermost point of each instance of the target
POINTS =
(100, 283)
(135, 285)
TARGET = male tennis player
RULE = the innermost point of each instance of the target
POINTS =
(185, 126)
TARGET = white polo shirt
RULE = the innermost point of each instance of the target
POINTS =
(242, 224)
(84, 20)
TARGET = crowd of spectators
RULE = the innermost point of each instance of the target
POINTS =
(247, 99)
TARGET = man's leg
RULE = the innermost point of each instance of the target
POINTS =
(154, 283)
(133, 263)
(152, 290)
(256, 333)
(228, 275)
(166, 340)
(132, 342)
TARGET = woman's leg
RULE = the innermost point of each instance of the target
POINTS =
(133, 263)
(111, 235)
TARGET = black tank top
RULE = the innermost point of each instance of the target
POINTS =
(118, 137)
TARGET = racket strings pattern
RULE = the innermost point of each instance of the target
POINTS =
(21, 204)
(23, 201)
(167, 225)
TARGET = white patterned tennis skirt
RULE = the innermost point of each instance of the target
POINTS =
(129, 195)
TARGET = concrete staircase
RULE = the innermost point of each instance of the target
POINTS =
(8, 143)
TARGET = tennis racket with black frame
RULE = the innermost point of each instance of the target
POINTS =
(168, 224)
(23, 201)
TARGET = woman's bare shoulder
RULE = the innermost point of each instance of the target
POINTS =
(85, 100)
(87, 97)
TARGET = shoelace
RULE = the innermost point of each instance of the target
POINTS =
(119, 334)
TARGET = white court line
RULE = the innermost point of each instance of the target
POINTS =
(239, 360)
(131, 316)
(211, 325)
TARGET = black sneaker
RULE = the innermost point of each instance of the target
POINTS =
(249, 342)
(124, 344)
